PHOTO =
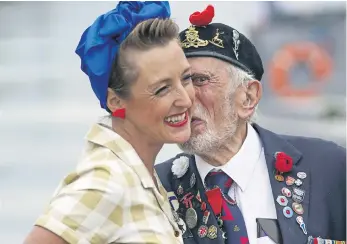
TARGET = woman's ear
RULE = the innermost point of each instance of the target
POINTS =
(113, 100)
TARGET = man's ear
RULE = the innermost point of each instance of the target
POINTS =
(113, 100)
(253, 94)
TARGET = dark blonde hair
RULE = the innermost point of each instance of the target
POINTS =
(146, 35)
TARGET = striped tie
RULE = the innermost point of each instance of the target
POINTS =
(233, 222)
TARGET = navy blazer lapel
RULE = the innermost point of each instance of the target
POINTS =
(290, 229)
(190, 184)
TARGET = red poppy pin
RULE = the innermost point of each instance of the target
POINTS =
(202, 18)
(283, 164)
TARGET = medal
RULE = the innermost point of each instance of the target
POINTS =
(205, 217)
(202, 231)
(212, 232)
(191, 218)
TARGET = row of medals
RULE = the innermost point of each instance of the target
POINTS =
(296, 194)
(191, 217)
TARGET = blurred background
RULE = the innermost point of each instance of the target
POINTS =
(47, 105)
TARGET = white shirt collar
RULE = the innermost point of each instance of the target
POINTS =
(240, 167)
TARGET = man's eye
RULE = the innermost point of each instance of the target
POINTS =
(200, 80)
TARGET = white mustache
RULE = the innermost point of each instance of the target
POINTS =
(200, 112)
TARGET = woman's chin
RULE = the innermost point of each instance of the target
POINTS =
(180, 138)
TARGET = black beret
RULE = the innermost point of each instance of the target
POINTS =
(223, 42)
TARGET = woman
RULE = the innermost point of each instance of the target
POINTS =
(114, 195)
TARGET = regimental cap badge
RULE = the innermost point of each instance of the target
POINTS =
(193, 39)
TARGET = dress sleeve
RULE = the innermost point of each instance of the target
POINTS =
(86, 207)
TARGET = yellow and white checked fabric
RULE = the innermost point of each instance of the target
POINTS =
(110, 198)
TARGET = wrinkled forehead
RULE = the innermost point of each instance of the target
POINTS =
(208, 65)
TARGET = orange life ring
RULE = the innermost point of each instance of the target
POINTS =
(318, 60)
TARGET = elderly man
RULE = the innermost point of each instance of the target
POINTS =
(238, 182)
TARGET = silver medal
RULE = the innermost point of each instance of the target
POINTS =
(191, 218)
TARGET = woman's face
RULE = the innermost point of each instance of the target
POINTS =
(161, 97)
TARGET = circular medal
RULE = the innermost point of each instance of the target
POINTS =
(287, 212)
(202, 231)
(191, 218)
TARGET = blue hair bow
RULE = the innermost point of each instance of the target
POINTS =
(100, 42)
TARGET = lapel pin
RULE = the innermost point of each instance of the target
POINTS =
(192, 180)
(180, 190)
(282, 200)
(279, 177)
(301, 175)
(297, 208)
(286, 192)
(212, 232)
(287, 212)
(191, 218)
(236, 228)
(202, 231)
(297, 199)
(298, 191)
(300, 221)
(290, 181)
(298, 182)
